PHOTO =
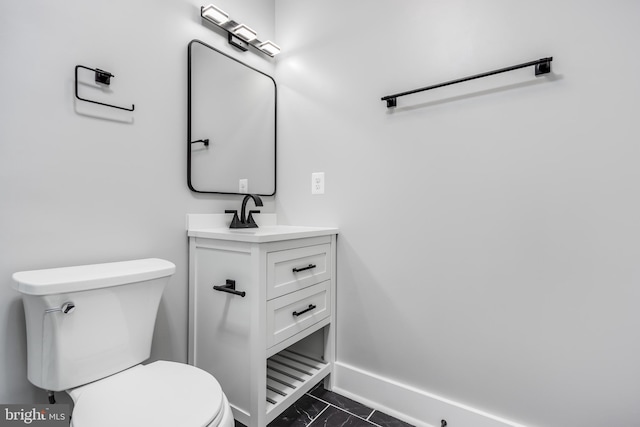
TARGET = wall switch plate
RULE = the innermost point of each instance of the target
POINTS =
(244, 186)
(317, 183)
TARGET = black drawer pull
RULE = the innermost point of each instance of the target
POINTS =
(230, 287)
(311, 307)
(308, 267)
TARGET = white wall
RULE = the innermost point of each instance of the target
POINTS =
(488, 250)
(79, 189)
(488, 230)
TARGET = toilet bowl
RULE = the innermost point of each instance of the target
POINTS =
(89, 329)
(163, 394)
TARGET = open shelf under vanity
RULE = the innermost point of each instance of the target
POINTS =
(289, 375)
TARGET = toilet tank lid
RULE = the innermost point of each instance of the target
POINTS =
(86, 277)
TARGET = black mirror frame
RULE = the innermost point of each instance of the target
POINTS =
(190, 142)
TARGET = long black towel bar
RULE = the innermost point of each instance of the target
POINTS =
(543, 66)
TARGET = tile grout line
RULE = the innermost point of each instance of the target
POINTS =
(372, 411)
(318, 416)
(343, 410)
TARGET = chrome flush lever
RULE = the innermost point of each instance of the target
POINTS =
(66, 308)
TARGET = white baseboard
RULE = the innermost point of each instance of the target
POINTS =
(407, 403)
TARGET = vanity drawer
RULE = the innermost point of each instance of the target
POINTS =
(294, 312)
(295, 269)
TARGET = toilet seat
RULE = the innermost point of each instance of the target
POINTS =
(160, 394)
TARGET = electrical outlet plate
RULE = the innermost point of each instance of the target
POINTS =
(243, 186)
(317, 183)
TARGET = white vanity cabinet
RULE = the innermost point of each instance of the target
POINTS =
(251, 343)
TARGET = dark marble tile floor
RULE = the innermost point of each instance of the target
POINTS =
(324, 408)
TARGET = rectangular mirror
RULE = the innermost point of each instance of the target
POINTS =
(231, 132)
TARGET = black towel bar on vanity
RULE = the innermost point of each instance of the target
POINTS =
(229, 287)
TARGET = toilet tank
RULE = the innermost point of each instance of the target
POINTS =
(88, 322)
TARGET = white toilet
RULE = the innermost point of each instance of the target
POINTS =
(89, 328)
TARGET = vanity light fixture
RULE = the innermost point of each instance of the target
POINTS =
(215, 15)
(244, 32)
(239, 35)
(269, 47)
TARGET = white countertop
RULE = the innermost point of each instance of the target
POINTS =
(216, 226)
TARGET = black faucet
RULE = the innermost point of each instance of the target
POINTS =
(243, 221)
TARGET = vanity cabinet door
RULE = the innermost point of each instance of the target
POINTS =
(222, 322)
